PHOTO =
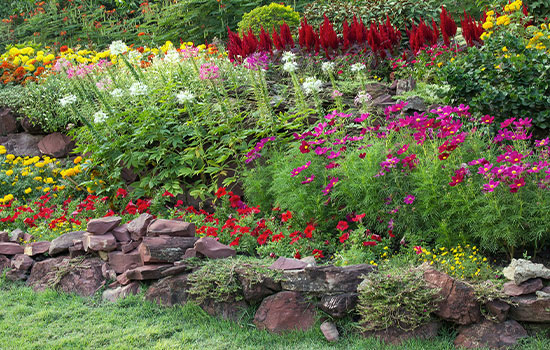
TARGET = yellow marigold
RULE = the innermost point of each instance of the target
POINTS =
(10, 157)
(487, 25)
(77, 160)
(39, 165)
(46, 189)
(9, 172)
(28, 190)
(2, 150)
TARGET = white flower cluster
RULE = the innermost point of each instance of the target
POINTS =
(172, 56)
(185, 96)
(327, 67)
(357, 67)
(288, 58)
(67, 100)
(312, 85)
(117, 93)
(138, 89)
(362, 98)
(100, 117)
(117, 47)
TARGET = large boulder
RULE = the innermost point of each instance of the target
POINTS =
(165, 249)
(529, 308)
(285, 311)
(105, 242)
(169, 291)
(396, 335)
(121, 262)
(211, 248)
(62, 243)
(103, 225)
(78, 276)
(256, 288)
(171, 228)
(520, 270)
(230, 309)
(339, 305)
(37, 248)
(21, 145)
(457, 300)
(326, 279)
(10, 248)
(56, 145)
(8, 122)
(490, 335)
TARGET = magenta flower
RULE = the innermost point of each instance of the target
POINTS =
(409, 199)
(403, 149)
(321, 150)
(362, 118)
(487, 119)
(333, 155)
(541, 143)
(331, 183)
(485, 168)
(518, 183)
(298, 170)
(332, 165)
(209, 71)
(308, 179)
(490, 187)
(255, 152)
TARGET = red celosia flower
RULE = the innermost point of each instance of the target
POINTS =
(342, 226)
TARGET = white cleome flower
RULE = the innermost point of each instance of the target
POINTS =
(100, 117)
(117, 93)
(134, 55)
(362, 98)
(172, 56)
(288, 56)
(312, 85)
(138, 89)
(118, 47)
(327, 67)
(290, 67)
(185, 96)
(357, 67)
(67, 100)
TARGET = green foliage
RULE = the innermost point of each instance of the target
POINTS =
(397, 297)
(502, 84)
(273, 15)
(401, 12)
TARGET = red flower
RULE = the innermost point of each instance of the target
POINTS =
(304, 147)
(342, 226)
(358, 217)
(309, 231)
(167, 194)
(344, 237)
(318, 253)
(286, 216)
(235, 241)
(277, 238)
(369, 243)
(297, 255)
(221, 192)
(121, 192)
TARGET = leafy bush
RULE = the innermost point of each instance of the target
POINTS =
(398, 297)
(273, 15)
(506, 77)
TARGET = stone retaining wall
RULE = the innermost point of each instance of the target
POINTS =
(154, 254)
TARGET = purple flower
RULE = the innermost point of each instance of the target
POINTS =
(308, 179)
(409, 199)
(485, 168)
(331, 183)
(298, 170)
(256, 61)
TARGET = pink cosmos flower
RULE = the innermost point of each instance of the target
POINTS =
(409, 199)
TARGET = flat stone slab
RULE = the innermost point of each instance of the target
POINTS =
(10, 248)
(325, 279)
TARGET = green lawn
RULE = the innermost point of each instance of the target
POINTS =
(50, 320)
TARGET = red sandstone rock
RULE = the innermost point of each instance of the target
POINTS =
(169, 291)
(4, 237)
(209, 247)
(171, 228)
(491, 335)
(103, 225)
(498, 309)
(4, 263)
(326, 279)
(62, 243)
(339, 305)
(122, 234)
(288, 264)
(529, 308)
(10, 248)
(37, 248)
(138, 227)
(56, 145)
(147, 272)
(285, 311)
(527, 287)
(70, 276)
(22, 262)
(105, 242)
(165, 249)
(121, 262)
(458, 303)
(17, 236)
(396, 335)
(128, 247)
(121, 292)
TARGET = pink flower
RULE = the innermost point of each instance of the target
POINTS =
(308, 180)
(331, 183)
(409, 199)
(298, 170)
(541, 143)
(403, 149)
(362, 118)
(209, 71)
(490, 187)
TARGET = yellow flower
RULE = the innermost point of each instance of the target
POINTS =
(39, 165)
(10, 157)
(504, 49)
(2, 150)
(46, 189)
(488, 25)
(9, 172)
(77, 160)
(28, 190)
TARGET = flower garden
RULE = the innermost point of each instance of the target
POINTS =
(341, 133)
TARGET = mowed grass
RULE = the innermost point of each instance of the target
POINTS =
(52, 320)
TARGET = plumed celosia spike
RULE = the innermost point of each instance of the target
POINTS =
(447, 25)
(250, 43)
(346, 35)
(277, 42)
(472, 30)
(327, 36)
(265, 41)
(286, 36)
(234, 46)
(435, 33)
(302, 33)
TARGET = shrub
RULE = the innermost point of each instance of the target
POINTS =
(398, 297)
(273, 15)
